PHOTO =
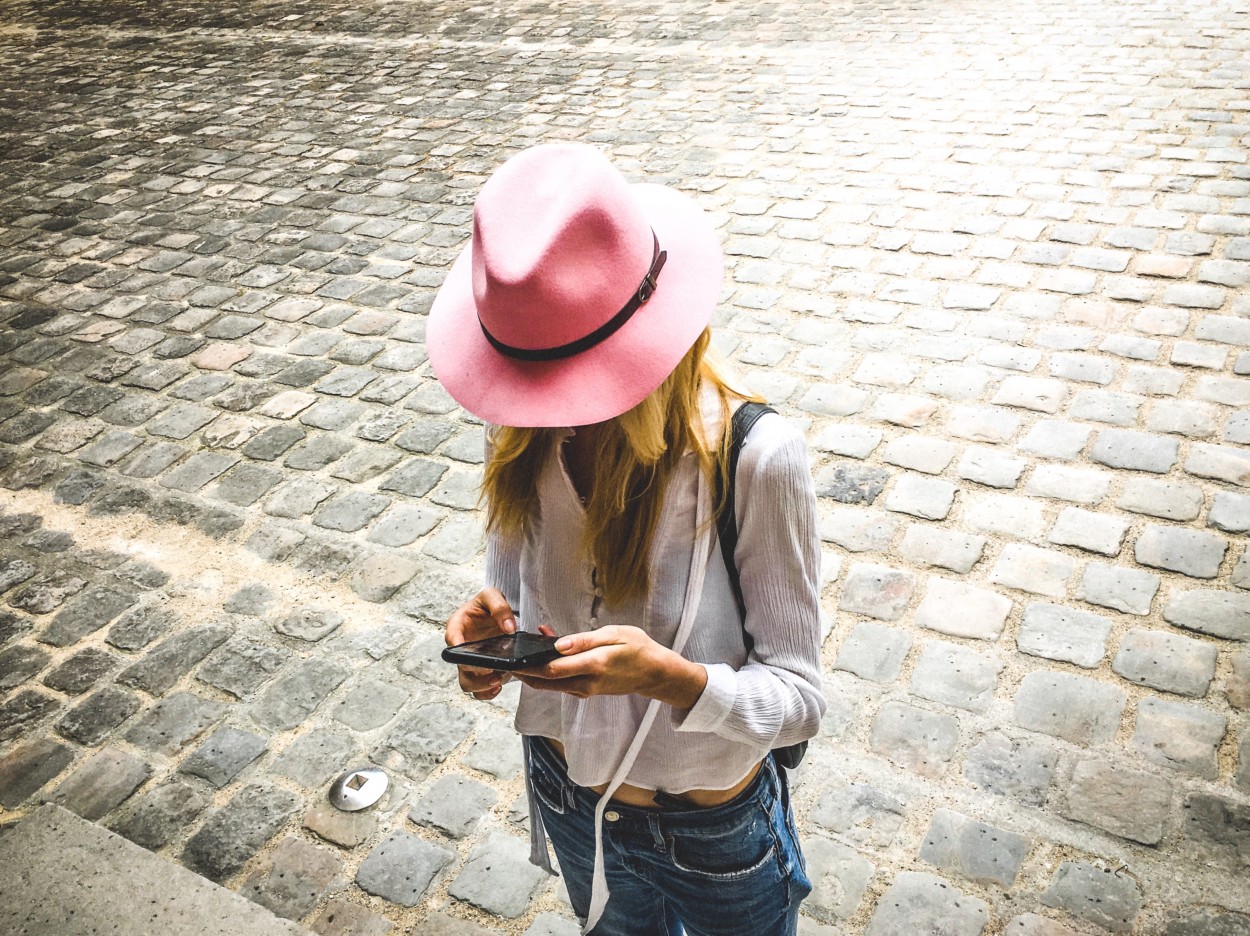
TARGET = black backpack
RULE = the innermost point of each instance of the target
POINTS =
(727, 530)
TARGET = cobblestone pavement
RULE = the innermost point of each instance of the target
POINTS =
(993, 256)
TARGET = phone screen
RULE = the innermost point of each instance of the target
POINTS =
(511, 646)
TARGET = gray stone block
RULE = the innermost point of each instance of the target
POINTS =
(1091, 531)
(161, 815)
(859, 530)
(874, 652)
(1166, 661)
(174, 722)
(101, 783)
(1217, 613)
(915, 739)
(946, 549)
(23, 711)
(223, 755)
(1059, 633)
(927, 498)
(1119, 799)
(877, 591)
(496, 750)
(423, 739)
(173, 658)
(293, 697)
(370, 704)
(1075, 708)
(1064, 482)
(350, 512)
(839, 877)
(1005, 766)
(962, 610)
(20, 663)
(235, 832)
(1028, 568)
(1206, 921)
(1230, 512)
(241, 666)
(24, 770)
(991, 468)
(1161, 499)
(1191, 552)
(860, 813)
(1237, 684)
(341, 917)
(1181, 736)
(309, 623)
(1135, 451)
(1090, 894)
(499, 878)
(140, 626)
(81, 671)
(1056, 439)
(293, 878)
(197, 471)
(1118, 587)
(454, 805)
(315, 757)
(1221, 462)
(964, 847)
(1217, 830)
(925, 903)
(955, 675)
(91, 721)
(401, 868)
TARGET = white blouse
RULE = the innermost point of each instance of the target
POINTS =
(754, 701)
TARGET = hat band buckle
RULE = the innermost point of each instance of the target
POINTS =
(646, 289)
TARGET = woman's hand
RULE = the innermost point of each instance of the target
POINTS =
(619, 660)
(485, 615)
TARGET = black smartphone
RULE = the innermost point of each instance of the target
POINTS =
(521, 650)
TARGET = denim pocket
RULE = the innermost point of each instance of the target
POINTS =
(728, 853)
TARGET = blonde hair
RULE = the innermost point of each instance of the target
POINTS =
(635, 457)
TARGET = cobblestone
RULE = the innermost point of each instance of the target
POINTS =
(1179, 735)
(874, 652)
(1190, 552)
(966, 848)
(1076, 708)
(1084, 891)
(1045, 313)
(1168, 662)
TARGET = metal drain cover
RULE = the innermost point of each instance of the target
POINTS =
(359, 789)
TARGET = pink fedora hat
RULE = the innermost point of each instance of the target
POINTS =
(578, 294)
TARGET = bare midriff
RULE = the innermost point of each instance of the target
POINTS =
(629, 795)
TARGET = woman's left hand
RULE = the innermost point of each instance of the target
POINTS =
(619, 660)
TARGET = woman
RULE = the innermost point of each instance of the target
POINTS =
(575, 324)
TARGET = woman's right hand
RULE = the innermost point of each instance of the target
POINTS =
(485, 615)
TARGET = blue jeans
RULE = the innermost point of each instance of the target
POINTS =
(728, 870)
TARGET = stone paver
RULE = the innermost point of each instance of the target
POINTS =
(1002, 292)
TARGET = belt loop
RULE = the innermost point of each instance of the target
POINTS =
(653, 822)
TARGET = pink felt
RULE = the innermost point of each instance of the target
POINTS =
(560, 243)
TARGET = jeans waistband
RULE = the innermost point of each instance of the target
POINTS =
(765, 784)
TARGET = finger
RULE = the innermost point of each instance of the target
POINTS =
(576, 686)
(495, 605)
(472, 682)
(545, 630)
(588, 640)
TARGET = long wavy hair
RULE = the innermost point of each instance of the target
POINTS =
(636, 455)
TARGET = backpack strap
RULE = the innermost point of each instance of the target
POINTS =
(727, 531)
(744, 419)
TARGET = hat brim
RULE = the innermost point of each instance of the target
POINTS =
(607, 379)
